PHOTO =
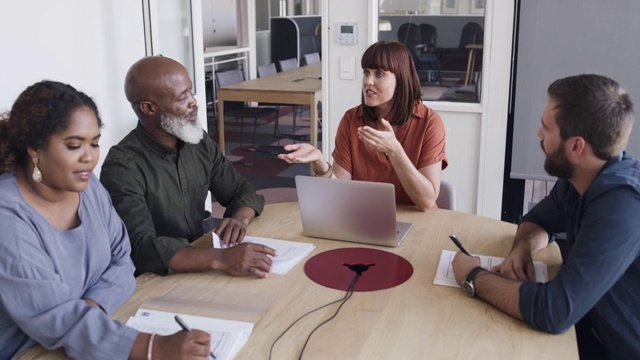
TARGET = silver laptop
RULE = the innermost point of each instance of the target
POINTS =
(349, 210)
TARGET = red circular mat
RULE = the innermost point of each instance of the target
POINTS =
(329, 269)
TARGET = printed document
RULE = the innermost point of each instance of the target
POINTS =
(444, 274)
(227, 336)
(290, 253)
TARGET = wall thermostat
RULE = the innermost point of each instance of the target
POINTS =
(347, 33)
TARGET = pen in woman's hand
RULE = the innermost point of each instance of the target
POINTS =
(182, 324)
(458, 244)
(186, 328)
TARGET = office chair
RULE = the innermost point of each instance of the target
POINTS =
(267, 70)
(285, 65)
(288, 64)
(456, 59)
(447, 197)
(429, 37)
(312, 58)
(420, 40)
(239, 109)
(472, 33)
(409, 35)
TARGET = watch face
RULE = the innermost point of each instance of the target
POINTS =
(468, 289)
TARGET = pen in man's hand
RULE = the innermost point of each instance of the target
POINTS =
(458, 244)
(186, 328)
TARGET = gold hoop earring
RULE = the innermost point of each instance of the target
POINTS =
(37, 174)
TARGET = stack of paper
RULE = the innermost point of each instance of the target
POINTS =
(289, 253)
(445, 276)
(227, 336)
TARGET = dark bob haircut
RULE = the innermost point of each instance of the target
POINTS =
(395, 57)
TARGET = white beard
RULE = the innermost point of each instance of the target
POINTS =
(181, 128)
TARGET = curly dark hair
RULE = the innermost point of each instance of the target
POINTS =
(41, 110)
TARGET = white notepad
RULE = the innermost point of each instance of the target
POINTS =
(445, 276)
(290, 253)
(227, 336)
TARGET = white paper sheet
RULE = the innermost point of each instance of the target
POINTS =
(445, 276)
(290, 253)
(227, 336)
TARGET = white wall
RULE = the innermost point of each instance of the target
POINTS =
(463, 124)
(89, 44)
(219, 22)
(495, 105)
(341, 94)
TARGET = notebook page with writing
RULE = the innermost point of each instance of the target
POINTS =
(227, 336)
(445, 276)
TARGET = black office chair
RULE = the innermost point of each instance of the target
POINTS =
(456, 60)
(240, 110)
(409, 35)
(472, 33)
(418, 38)
(428, 63)
(428, 37)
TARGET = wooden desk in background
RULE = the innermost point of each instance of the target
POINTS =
(416, 320)
(301, 86)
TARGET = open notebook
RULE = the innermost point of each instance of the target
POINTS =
(349, 210)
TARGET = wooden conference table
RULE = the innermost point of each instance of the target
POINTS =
(301, 86)
(415, 320)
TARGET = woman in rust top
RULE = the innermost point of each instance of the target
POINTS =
(391, 137)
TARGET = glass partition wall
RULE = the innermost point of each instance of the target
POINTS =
(170, 31)
(446, 39)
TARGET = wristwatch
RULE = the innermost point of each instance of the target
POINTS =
(468, 285)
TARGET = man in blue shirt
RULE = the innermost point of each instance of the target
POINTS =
(596, 201)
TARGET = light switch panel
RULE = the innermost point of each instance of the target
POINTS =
(347, 68)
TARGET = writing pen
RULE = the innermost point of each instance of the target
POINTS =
(186, 328)
(458, 244)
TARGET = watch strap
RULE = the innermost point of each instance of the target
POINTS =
(468, 286)
(473, 273)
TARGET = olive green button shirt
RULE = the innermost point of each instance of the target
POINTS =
(160, 193)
